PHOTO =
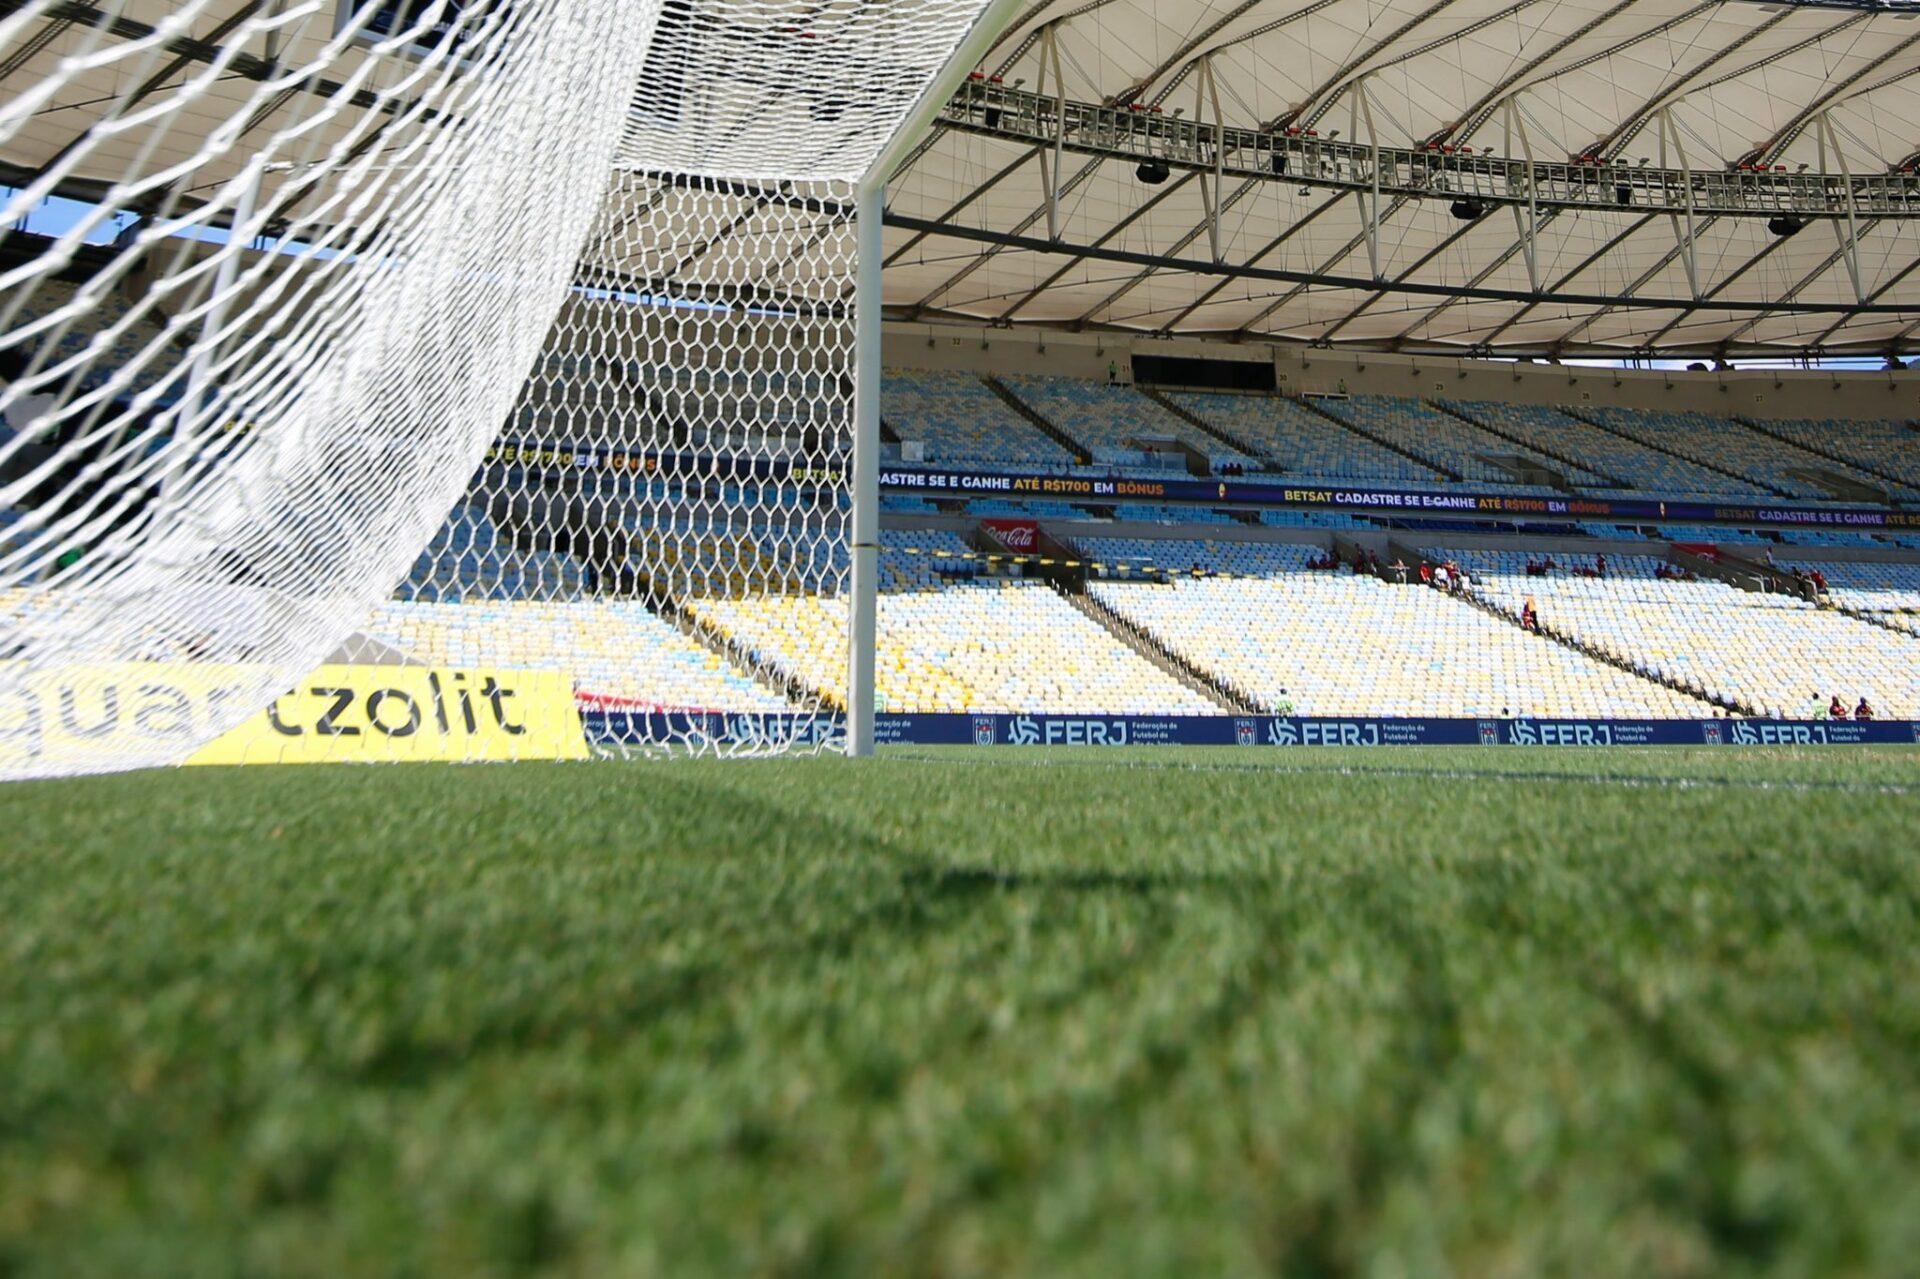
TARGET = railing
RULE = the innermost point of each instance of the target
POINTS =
(1147, 136)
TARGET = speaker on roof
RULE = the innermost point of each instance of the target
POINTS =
(1152, 172)
(1785, 225)
(1468, 210)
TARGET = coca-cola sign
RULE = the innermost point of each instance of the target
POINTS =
(1015, 535)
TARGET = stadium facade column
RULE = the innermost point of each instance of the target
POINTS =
(869, 212)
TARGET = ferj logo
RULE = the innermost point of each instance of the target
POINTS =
(1023, 730)
(1244, 732)
(983, 730)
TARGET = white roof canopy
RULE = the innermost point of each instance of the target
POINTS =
(1724, 85)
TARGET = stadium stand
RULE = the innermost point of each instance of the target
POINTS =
(1114, 422)
(1642, 469)
(1249, 616)
(1772, 653)
(616, 652)
(1157, 514)
(1887, 451)
(1436, 435)
(1888, 593)
(1039, 509)
(118, 350)
(1333, 644)
(1711, 534)
(959, 419)
(1300, 441)
(999, 645)
(921, 558)
(1735, 456)
(469, 559)
(1737, 447)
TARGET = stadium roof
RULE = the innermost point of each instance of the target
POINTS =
(1729, 90)
(1668, 96)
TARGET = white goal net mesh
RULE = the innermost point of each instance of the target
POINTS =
(528, 353)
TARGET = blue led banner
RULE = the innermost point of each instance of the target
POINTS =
(1422, 504)
(617, 728)
(1237, 491)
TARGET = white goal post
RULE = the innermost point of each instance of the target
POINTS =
(447, 339)
(869, 215)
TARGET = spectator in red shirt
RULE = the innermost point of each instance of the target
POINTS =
(1836, 709)
(1863, 711)
(1530, 616)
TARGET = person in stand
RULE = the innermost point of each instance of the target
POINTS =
(1530, 616)
(1426, 573)
(1863, 712)
(1440, 578)
(1815, 709)
(1283, 705)
(1600, 565)
(1113, 372)
(1836, 709)
(1399, 570)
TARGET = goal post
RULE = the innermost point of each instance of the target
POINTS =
(869, 217)
(450, 339)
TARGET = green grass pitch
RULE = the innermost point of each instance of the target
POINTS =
(1475, 1012)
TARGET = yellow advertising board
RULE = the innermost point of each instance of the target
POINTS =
(367, 714)
(59, 719)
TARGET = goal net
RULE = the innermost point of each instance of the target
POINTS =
(433, 346)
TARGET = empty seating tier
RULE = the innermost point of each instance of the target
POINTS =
(1642, 468)
(998, 646)
(1333, 644)
(1890, 451)
(959, 419)
(470, 559)
(1117, 423)
(615, 651)
(1301, 441)
(1887, 592)
(1441, 437)
(1757, 464)
(1776, 653)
